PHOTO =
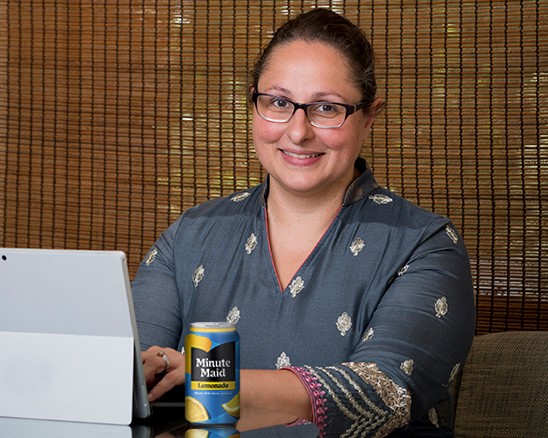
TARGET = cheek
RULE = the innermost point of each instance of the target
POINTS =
(341, 141)
(265, 132)
(355, 137)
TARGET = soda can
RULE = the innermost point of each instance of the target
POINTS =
(212, 386)
(212, 432)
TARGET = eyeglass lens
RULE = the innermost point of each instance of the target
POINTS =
(322, 114)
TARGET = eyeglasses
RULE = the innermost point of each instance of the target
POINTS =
(320, 114)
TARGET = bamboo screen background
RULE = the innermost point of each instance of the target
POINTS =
(117, 115)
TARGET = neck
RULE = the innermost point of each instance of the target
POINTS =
(293, 208)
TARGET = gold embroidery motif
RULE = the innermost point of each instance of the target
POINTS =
(251, 243)
(356, 246)
(233, 316)
(296, 286)
(368, 334)
(394, 396)
(344, 322)
(454, 373)
(452, 234)
(407, 366)
(433, 417)
(403, 270)
(198, 275)
(441, 307)
(283, 361)
(151, 256)
(240, 196)
(364, 418)
(381, 199)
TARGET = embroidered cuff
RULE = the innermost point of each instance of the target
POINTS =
(316, 394)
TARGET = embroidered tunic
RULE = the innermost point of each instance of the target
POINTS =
(376, 322)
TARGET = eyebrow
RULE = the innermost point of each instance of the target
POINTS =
(320, 96)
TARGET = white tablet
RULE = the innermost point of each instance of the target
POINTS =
(69, 342)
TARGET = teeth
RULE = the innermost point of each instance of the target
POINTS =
(301, 156)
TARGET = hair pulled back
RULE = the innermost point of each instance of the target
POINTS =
(325, 26)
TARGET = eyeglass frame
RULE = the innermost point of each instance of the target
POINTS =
(350, 109)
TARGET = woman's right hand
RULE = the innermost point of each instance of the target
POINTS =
(164, 369)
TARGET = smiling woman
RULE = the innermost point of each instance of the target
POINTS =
(354, 307)
(309, 167)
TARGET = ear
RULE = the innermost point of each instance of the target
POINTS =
(374, 109)
(376, 106)
(371, 112)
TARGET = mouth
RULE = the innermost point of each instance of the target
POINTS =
(299, 156)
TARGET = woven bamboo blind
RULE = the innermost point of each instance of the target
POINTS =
(117, 115)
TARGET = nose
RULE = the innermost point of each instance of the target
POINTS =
(299, 128)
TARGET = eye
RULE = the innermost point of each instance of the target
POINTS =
(327, 109)
(278, 102)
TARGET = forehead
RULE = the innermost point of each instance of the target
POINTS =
(309, 66)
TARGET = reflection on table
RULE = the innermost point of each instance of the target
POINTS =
(166, 422)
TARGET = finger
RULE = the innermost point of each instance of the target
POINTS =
(151, 351)
(168, 382)
(147, 354)
(165, 358)
(154, 365)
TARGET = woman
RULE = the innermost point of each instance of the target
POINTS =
(354, 307)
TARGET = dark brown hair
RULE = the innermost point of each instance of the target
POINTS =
(326, 26)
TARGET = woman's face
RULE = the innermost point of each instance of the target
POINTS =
(299, 157)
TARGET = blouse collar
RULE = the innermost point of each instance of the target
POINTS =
(361, 187)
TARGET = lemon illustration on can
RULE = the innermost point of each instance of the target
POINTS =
(195, 411)
(232, 407)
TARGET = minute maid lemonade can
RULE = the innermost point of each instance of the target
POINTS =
(212, 387)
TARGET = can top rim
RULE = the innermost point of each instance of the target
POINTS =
(212, 325)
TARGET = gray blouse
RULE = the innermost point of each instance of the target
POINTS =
(377, 322)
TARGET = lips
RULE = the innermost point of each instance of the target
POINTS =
(299, 156)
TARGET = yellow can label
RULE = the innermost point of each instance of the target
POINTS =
(213, 385)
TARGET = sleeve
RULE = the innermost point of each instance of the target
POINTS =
(414, 346)
(155, 295)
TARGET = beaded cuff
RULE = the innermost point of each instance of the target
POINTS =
(317, 396)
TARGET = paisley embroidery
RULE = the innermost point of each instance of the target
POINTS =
(441, 307)
(296, 286)
(380, 199)
(344, 322)
(233, 316)
(198, 275)
(151, 257)
(403, 270)
(356, 246)
(240, 196)
(452, 234)
(283, 361)
(407, 366)
(368, 334)
(251, 243)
